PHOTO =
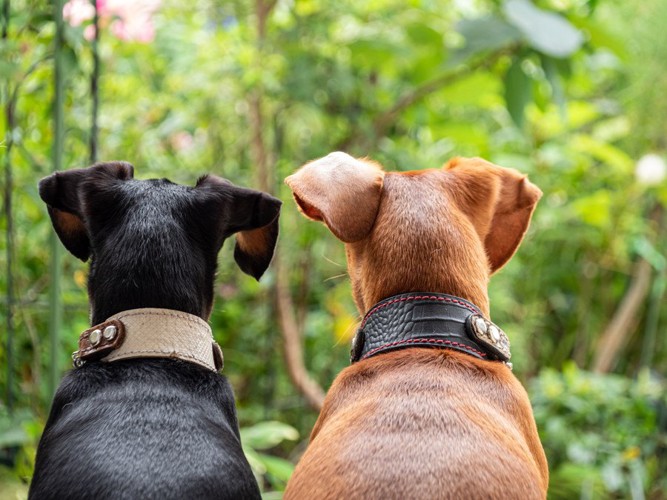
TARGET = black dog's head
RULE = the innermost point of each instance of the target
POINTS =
(154, 243)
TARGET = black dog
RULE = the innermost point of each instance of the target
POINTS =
(149, 428)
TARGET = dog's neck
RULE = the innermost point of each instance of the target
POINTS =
(112, 291)
(149, 266)
(418, 243)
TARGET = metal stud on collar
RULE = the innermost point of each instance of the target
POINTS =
(98, 341)
(491, 337)
(357, 347)
(109, 333)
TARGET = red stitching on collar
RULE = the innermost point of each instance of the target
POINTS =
(418, 297)
(414, 341)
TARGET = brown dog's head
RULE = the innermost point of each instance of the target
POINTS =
(442, 231)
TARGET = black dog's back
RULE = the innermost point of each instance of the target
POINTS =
(162, 429)
(149, 428)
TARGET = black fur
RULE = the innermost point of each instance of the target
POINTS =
(147, 428)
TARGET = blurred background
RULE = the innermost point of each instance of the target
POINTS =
(571, 92)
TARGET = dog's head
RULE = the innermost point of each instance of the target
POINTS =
(154, 243)
(443, 230)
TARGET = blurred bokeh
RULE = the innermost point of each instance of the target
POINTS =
(571, 92)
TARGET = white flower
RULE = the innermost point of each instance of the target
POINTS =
(651, 169)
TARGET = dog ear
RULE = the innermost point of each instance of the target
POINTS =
(253, 217)
(61, 191)
(499, 202)
(340, 191)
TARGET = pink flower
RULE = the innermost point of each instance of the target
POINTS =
(129, 20)
(75, 12)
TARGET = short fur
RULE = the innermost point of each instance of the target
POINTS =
(425, 423)
(142, 428)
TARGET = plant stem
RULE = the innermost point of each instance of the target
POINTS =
(94, 87)
(9, 228)
(55, 301)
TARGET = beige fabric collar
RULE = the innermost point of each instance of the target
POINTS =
(151, 333)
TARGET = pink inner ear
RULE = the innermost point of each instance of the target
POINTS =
(307, 209)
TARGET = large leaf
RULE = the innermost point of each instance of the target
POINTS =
(518, 92)
(484, 34)
(553, 77)
(594, 209)
(15, 436)
(545, 31)
(267, 435)
(278, 467)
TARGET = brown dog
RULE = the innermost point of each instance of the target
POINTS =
(421, 422)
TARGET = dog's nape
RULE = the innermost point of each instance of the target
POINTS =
(154, 243)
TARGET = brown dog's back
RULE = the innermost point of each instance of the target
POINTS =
(423, 424)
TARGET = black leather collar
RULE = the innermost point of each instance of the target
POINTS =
(429, 320)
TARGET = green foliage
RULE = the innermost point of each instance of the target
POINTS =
(268, 468)
(605, 436)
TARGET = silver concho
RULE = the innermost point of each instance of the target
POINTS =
(490, 336)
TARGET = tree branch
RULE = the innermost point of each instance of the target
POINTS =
(284, 303)
(10, 119)
(292, 342)
(384, 120)
(624, 321)
(94, 86)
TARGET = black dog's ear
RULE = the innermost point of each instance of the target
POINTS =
(253, 217)
(61, 191)
(257, 237)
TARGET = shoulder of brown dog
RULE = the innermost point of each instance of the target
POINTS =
(423, 423)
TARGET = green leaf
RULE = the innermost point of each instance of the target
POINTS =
(484, 34)
(267, 435)
(420, 33)
(608, 154)
(545, 31)
(255, 461)
(374, 52)
(553, 77)
(594, 209)
(518, 92)
(15, 436)
(277, 467)
(600, 36)
(651, 254)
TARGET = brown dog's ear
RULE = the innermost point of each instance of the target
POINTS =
(61, 191)
(252, 215)
(499, 202)
(341, 191)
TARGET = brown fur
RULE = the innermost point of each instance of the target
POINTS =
(253, 242)
(424, 423)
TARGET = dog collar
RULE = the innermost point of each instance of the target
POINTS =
(429, 320)
(150, 333)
